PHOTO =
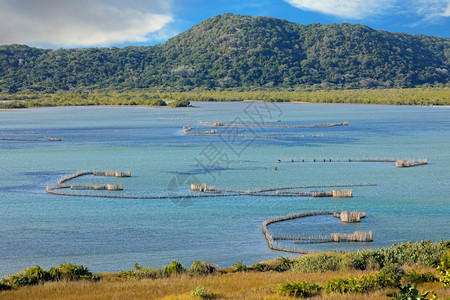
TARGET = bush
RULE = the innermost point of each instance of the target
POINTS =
(239, 267)
(202, 268)
(20, 279)
(262, 267)
(421, 254)
(29, 276)
(283, 264)
(4, 285)
(174, 268)
(180, 103)
(408, 292)
(362, 260)
(280, 265)
(156, 102)
(204, 293)
(361, 284)
(70, 271)
(318, 263)
(444, 269)
(36, 274)
(141, 273)
(301, 289)
(390, 275)
(412, 277)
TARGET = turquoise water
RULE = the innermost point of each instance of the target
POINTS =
(111, 234)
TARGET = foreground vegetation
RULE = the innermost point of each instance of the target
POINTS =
(400, 270)
(415, 96)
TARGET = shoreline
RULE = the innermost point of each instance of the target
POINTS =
(434, 96)
(262, 280)
(236, 101)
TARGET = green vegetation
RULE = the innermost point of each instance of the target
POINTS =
(444, 269)
(408, 292)
(202, 268)
(173, 269)
(204, 293)
(230, 51)
(301, 289)
(239, 267)
(180, 103)
(413, 277)
(370, 271)
(36, 274)
(389, 276)
(141, 273)
(421, 254)
(82, 99)
(361, 284)
(415, 96)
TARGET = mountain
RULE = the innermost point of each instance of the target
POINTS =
(237, 51)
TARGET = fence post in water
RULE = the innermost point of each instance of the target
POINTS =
(342, 193)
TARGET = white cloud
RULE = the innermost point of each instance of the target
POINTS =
(73, 23)
(432, 9)
(352, 9)
(447, 11)
(427, 10)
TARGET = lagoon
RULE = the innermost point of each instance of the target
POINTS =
(110, 234)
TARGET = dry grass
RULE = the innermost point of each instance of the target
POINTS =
(250, 285)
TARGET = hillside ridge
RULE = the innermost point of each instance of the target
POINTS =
(235, 51)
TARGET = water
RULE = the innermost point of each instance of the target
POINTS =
(111, 234)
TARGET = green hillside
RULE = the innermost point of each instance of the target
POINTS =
(237, 51)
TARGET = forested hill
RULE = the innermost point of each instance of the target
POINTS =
(237, 51)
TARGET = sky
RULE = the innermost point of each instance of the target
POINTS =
(119, 23)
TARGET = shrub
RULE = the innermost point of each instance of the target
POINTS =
(390, 275)
(156, 102)
(423, 254)
(4, 286)
(180, 103)
(202, 268)
(283, 264)
(174, 268)
(359, 284)
(301, 289)
(148, 272)
(141, 273)
(36, 274)
(413, 277)
(362, 260)
(20, 279)
(204, 293)
(320, 262)
(280, 265)
(262, 267)
(408, 292)
(70, 271)
(444, 269)
(239, 267)
(29, 276)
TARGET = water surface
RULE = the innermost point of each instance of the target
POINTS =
(110, 234)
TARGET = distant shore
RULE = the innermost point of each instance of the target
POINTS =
(434, 96)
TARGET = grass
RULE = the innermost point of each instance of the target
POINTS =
(343, 275)
(239, 285)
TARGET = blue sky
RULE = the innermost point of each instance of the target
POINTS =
(106, 23)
